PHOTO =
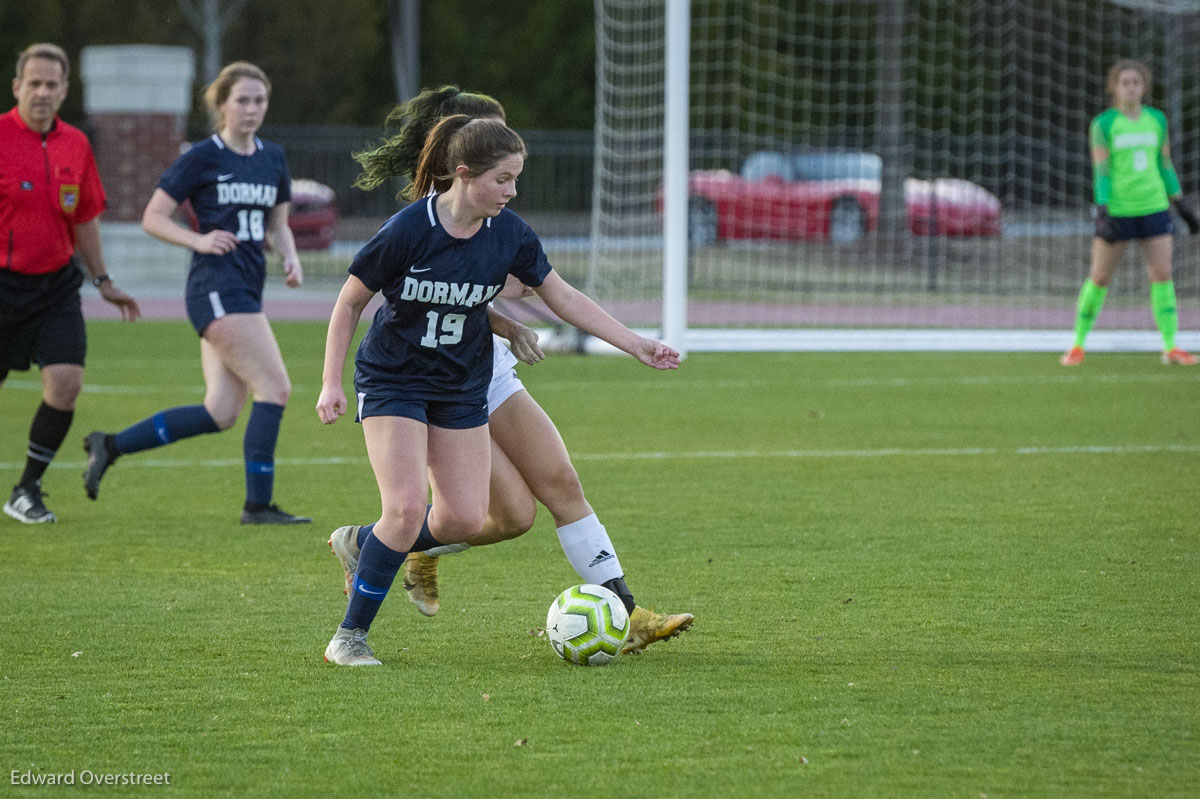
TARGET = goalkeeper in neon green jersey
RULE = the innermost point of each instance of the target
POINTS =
(1135, 185)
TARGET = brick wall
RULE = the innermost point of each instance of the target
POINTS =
(132, 150)
(137, 98)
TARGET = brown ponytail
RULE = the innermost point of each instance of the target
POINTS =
(478, 144)
(397, 155)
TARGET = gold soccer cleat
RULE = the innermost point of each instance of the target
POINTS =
(646, 627)
(344, 543)
(421, 583)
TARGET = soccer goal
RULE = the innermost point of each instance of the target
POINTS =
(911, 174)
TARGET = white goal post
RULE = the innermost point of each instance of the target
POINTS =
(787, 174)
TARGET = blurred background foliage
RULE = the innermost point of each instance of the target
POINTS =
(330, 61)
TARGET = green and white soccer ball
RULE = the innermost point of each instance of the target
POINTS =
(587, 624)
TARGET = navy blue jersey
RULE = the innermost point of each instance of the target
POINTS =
(432, 338)
(230, 192)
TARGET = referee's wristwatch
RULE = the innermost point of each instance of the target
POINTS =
(99, 279)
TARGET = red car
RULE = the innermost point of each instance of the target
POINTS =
(313, 216)
(831, 196)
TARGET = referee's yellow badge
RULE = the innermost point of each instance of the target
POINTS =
(68, 197)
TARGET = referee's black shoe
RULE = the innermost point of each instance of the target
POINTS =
(270, 514)
(101, 455)
(25, 505)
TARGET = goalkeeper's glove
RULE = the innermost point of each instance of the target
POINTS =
(1187, 213)
(1106, 227)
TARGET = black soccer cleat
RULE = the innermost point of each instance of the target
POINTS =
(100, 456)
(270, 514)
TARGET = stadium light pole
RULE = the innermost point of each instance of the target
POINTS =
(675, 169)
(208, 20)
(404, 31)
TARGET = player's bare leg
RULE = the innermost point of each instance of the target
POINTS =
(530, 440)
(511, 511)
(420, 569)
(248, 354)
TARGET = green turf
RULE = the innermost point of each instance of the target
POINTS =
(913, 575)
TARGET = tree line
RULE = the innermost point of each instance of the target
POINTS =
(330, 61)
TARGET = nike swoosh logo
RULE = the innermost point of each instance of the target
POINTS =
(222, 178)
(368, 591)
(414, 270)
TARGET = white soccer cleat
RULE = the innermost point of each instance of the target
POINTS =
(349, 648)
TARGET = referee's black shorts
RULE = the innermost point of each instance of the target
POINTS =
(41, 319)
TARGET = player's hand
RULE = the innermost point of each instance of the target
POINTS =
(514, 289)
(656, 355)
(1187, 214)
(524, 345)
(125, 304)
(331, 404)
(216, 242)
(293, 274)
(1106, 228)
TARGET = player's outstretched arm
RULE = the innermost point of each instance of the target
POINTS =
(576, 308)
(522, 340)
(353, 297)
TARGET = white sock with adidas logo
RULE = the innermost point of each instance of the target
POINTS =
(589, 550)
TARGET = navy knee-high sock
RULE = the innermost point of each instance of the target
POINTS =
(258, 448)
(164, 427)
(425, 539)
(46, 434)
(378, 565)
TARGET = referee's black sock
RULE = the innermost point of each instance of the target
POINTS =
(46, 435)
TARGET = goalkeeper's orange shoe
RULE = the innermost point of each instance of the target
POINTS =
(421, 582)
(646, 627)
(1072, 357)
(1178, 357)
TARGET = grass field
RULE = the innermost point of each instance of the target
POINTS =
(913, 576)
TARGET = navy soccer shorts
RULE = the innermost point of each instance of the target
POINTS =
(451, 415)
(204, 308)
(1130, 228)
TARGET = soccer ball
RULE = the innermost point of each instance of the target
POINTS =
(587, 624)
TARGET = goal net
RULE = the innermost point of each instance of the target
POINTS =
(912, 164)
